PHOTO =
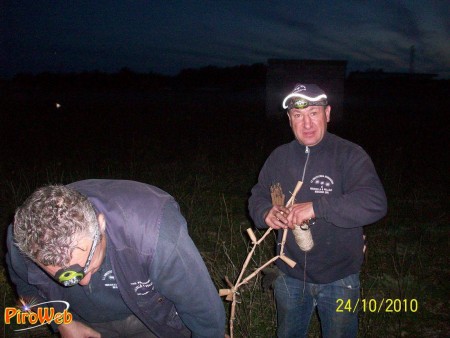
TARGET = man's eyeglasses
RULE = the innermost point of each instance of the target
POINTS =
(75, 273)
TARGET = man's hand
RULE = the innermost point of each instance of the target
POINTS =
(77, 330)
(276, 217)
(298, 213)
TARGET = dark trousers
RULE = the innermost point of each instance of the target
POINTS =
(124, 328)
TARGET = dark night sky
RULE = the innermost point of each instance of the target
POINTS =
(167, 36)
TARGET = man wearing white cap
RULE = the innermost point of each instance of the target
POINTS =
(341, 193)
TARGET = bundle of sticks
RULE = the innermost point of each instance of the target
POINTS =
(230, 293)
(276, 193)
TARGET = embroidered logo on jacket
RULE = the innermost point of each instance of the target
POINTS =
(321, 184)
(142, 288)
(109, 280)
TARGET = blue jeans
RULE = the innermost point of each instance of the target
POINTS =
(296, 302)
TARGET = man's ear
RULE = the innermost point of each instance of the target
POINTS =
(327, 113)
(101, 222)
(289, 117)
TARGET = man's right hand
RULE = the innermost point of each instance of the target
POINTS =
(77, 330)
(276, 217)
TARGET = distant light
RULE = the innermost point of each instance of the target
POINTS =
(57, 105)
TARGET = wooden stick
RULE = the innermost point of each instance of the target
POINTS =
(227, 280)
(247, 260)
(250, 254)
(224, 292)
(277, 199)
(251, 234)
(288, 261)
(232, 315)
(265, 235)
(288, 204)
(294, 194)
(273, 259)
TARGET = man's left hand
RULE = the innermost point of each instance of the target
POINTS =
(298, 213)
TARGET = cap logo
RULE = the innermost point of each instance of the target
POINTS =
(299, 88)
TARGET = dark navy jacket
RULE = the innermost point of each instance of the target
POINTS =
(340, 179)
(173, 295)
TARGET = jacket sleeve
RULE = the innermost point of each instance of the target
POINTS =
(363, 200)
(18, 269)
(260, 200)
(181, 276)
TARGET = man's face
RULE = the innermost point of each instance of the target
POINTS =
(80, 256)
(309, 124)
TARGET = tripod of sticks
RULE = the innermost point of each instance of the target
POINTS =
(230, 294)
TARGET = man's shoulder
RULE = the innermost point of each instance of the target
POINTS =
(114, 185)
(124, 191)
(343, 143)
(285, 148)
(132, 211)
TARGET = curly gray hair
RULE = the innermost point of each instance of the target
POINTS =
(48, 226)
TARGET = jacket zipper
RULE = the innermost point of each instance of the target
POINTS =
(307, 152)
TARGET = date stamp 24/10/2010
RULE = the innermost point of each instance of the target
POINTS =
(373, 305)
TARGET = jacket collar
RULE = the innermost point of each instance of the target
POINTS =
(316, 148)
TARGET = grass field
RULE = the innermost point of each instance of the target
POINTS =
(206, 149)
